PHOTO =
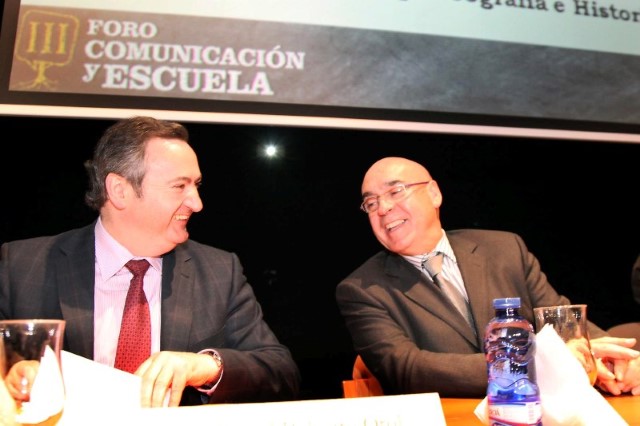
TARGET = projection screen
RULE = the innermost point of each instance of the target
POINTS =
(537, 68)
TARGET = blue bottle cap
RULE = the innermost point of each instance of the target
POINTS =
(507, 302)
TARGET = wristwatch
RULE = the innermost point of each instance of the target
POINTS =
(209, 387)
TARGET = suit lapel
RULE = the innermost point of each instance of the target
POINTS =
(473, 267)
(422, 291)
(177, 292)
(74, 264)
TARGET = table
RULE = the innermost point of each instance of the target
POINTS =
(628, 407)
(387, 410)
(459, 411)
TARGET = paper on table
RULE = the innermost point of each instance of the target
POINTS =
(99, 395)
(567, 397)
(95, 388)
(406, 410)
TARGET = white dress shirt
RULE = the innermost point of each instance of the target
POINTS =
(112, 280)
(450, 270)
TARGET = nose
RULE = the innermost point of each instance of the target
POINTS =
(384, 206)
(193, 201)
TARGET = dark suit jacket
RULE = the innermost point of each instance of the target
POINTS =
(413, 339)
(206, 303)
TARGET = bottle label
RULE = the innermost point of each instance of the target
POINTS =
(515, 414)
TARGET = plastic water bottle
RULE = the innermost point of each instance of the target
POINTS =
(512, 393)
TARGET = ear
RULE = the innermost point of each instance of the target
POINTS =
(435, 194)
(118, 190)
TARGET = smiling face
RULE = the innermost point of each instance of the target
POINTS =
(410, 225)
(154, 223)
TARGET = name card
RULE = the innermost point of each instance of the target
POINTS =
(394, 410)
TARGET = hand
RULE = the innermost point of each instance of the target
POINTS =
(618, 364)
(170, 372)
(629, 380)
(581, 350)
(8, 407)
(20, 378)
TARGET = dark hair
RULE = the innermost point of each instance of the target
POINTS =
(121, 150)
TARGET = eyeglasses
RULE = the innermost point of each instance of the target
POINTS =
(394, 195)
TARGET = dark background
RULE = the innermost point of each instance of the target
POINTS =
(295, 223)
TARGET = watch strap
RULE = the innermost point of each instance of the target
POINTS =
(209, 387)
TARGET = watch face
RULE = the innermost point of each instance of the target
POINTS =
(217, 358)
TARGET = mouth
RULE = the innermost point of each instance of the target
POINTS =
(393, 225)
(181, 217)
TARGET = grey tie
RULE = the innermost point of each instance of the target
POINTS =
(433, 266)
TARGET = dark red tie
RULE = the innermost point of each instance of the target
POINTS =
(134, 343)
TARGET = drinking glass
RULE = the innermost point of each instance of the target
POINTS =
(570, 322)
(30, 366)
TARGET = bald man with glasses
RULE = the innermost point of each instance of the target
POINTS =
(411, 333)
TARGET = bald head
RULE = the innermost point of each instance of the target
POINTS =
(398, 169)
(405, 217)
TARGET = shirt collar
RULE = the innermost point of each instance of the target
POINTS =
(111, 256)
(442, 245)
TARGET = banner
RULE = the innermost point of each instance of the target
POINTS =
(564, 64)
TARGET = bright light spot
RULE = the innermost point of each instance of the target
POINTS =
(271, 151)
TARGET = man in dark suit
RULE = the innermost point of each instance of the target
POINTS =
(209, 342)
(407, 331)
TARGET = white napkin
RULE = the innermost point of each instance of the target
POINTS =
(567, 397)
(47, 393)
